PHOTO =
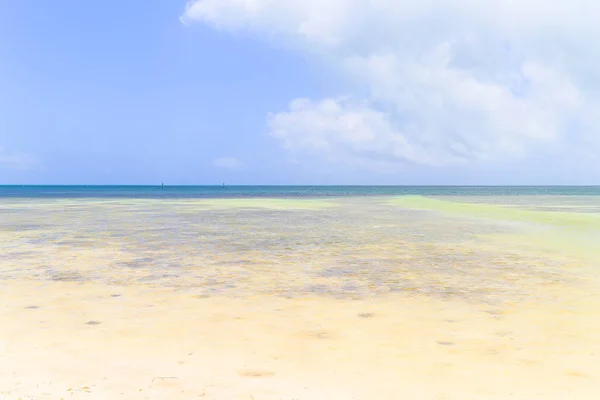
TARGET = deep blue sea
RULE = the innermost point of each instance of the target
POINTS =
(286, 191)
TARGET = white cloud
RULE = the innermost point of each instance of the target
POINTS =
(433, 82)
(227, 163)
(14, 160)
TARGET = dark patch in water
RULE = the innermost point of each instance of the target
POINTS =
(366, 315)
(15, 254)
(66, 276)
(320, 289)
(349, 287)
(31, 227)
(138, 263)
(48, 240)
(157, 277)
(333, 272)
(75, 243)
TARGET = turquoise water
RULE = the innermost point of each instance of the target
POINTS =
(286, 191)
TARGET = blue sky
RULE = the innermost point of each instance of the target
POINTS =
(142, 92)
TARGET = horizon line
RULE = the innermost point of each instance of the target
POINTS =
(297, 185)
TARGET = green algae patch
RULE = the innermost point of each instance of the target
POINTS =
(575, 247)
(571, 220)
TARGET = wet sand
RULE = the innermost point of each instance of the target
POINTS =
(240, 305)
(90, 341)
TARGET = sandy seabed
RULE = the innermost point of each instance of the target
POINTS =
(186, 300)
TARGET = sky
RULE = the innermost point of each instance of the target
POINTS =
(456, 92)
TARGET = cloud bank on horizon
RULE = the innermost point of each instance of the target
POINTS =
(432, 82)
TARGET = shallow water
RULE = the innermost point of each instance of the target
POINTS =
(431, 291)
(473, 248)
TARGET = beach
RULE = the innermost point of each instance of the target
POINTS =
(376, 297)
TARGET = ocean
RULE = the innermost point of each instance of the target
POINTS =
(300, 292)
(124, 191)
